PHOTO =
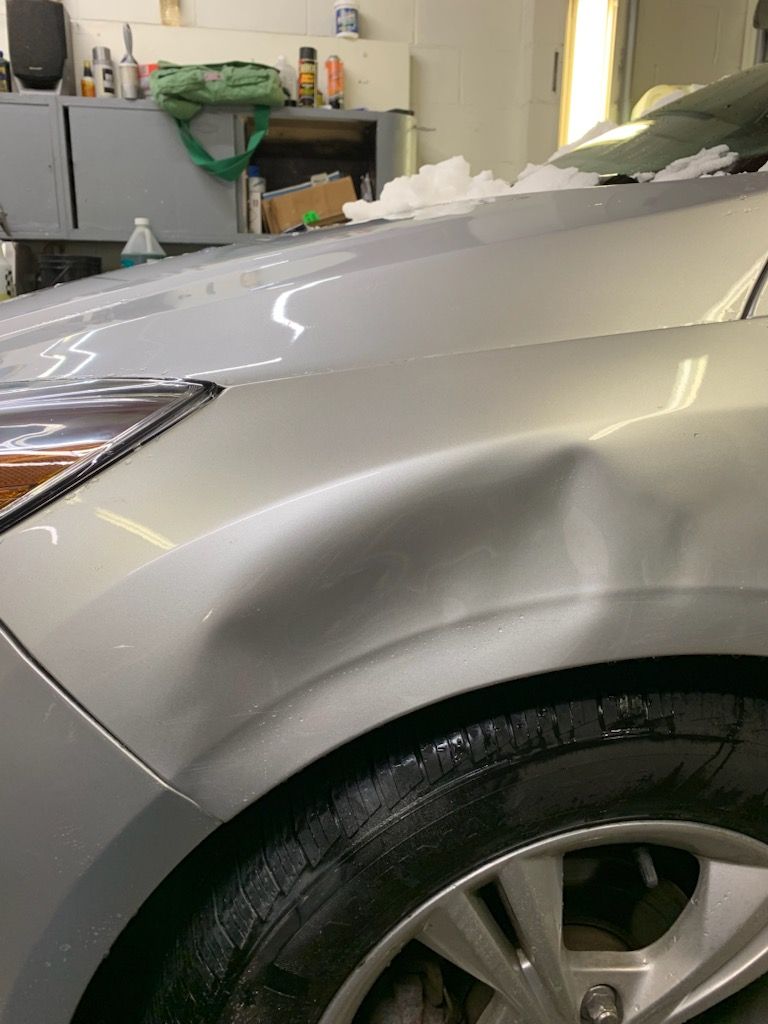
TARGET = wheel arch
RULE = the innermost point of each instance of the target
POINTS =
(153, 926)
(527, 645)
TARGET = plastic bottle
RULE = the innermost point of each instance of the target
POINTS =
(6, 277)
(87, 83)
(307, 76)
(257, 186)
(5, 74)
(128, 69)
(103, 72)
(145, 73)
(142, 246)
(346, 19)
(288, 79)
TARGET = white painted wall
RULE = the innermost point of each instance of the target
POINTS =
(477, 72)
(468, 76)
(691, 41)
(546, 29)
(378, 72)
(471, 80)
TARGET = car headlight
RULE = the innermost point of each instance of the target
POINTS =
(53, 436)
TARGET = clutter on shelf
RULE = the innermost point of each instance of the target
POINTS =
(324, 195)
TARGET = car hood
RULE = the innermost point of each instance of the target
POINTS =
(466, 277)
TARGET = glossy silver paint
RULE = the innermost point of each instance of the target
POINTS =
(472, 448)
(509, 272)
(87, 834)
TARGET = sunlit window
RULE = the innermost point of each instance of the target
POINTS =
(589, 66)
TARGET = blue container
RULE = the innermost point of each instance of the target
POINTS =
(346, 16)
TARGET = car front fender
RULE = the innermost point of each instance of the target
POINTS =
(304, 559)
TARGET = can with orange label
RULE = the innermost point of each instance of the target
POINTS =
(334, 70)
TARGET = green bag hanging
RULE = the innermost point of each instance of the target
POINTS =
(183, 90)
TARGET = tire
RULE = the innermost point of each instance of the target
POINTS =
(270, 919)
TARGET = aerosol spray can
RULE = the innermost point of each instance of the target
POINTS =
(307, 76)
(5, 74)
(103, 72)
(6, 277)
(334, 70)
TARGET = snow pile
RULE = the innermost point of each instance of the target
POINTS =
(451, 181)
(434, 185)
(548, 178)
(700, 165)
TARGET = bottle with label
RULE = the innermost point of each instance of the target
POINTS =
(142, 246)
(307, 76)
(87, 83)
(128, 69)
(6, 82)
(6, 277)
(257, 186)
(103, 72)
(288, 80)
(145, 73)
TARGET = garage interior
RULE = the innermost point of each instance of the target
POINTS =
(502, 83)
(394, 486)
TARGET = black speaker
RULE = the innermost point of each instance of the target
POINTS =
(39, 44)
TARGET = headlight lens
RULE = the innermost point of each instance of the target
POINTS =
(52, 436)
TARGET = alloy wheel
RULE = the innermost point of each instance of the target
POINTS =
(628, 923)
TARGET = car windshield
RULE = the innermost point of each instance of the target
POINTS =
(733, 111)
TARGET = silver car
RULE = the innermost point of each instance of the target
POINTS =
(385, 621)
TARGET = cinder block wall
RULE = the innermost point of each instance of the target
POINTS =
(470, 60)
(471, 79)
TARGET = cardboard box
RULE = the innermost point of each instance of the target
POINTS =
(287, 211)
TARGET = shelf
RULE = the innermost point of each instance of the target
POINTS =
(77, 169)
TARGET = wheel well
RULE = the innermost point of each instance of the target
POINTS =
(134, 964)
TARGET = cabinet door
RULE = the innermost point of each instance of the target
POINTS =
(128, 161)
(28, 192)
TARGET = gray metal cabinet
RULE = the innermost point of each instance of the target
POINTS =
(31, 171)
(82, 169)
(128, 161)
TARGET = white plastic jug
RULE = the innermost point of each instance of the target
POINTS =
(142, 246)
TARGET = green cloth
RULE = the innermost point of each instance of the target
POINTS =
(183, 91)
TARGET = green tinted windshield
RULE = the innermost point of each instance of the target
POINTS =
(732, 111)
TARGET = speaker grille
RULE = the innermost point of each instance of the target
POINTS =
(37, 41)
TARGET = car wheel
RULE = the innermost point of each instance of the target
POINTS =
(601, 856)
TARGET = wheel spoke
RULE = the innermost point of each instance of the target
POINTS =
(728, 912)
(498, 1011)
(533, 890)
(715, 934)
(461, 929)
(725, 982)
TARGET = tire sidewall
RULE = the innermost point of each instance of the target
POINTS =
(706, 766)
